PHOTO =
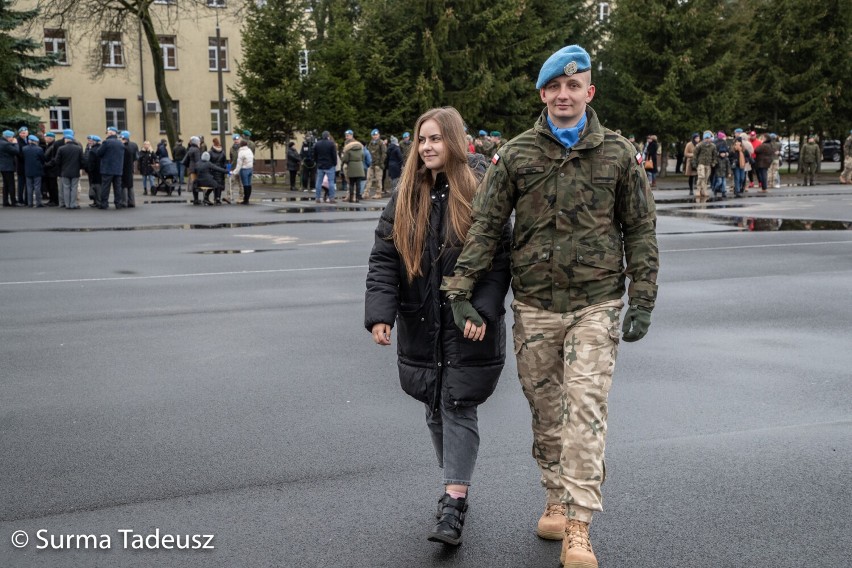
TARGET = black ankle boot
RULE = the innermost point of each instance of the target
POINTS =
(451, 522)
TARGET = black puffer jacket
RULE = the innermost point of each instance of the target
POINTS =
(435, 360)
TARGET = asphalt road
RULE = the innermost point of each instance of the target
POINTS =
(208, 373)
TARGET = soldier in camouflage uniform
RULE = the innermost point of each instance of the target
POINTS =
(377, 168)
(846, 176)
(706, 157)
(405, 146)
(808, 160)
(582, 205)
(484, 145)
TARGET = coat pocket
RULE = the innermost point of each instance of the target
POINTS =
(416, 382)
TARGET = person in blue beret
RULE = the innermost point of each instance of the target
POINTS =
(584, 223)
(9, 154)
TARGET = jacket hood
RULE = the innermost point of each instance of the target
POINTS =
(353, 145)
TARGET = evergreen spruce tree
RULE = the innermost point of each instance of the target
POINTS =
(334, 87)
(18, 67)
(668, 68)
(269, 89)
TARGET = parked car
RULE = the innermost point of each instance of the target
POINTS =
(831, 150)
(790, 151)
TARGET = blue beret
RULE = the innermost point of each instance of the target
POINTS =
(125, 134)
(8, 134)
(68, 133)
(49, 135)
(567, 61)
(707, 134)
(482, 133)
(407, 135)
(374, 132)
(349, 132)
(96, 138)
(32, 138)
(112, 128)
(23, 129)
(236, 136)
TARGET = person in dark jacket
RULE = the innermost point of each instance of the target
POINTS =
(178, 155)
(219, 159)
(417, 242)
(93, 169)
(9, 153)
(147, 159)
(162, 149)
(68, 162)
(325, 156)
(193, 156)
(111, 157)
(207, 180)
(50, 181)
(394, 159)
(294, 162)
(651, 148)
(131, 154)
(34, 170)
(763, 159)
(22, 140)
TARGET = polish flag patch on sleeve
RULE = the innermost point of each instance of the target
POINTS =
(639, 158)
(495, 159)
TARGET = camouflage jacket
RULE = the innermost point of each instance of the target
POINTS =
(377, 152)
(706, 154)
(847, 147)
(579, 213)
(809, 153)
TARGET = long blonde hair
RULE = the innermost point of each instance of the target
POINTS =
(414, 201)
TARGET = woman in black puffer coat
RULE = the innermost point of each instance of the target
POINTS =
(418, 240)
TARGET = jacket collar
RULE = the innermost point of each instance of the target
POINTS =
(592, 136)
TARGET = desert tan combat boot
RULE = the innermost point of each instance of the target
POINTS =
(576, 546)
(551, 525)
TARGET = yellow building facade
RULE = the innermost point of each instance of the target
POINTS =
(106, 77)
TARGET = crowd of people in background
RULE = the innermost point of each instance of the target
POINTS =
(362, 170)
(44, 170)
(39, 171)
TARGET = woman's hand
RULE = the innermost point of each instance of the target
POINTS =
(474, 332)
(382, 334)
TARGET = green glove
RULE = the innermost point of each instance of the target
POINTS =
(636, 323)
(463, 310)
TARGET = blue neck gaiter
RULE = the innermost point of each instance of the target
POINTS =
(568, 136)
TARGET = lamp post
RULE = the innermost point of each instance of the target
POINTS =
(222, 133)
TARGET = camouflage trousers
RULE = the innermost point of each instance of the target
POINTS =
(773, 173)
(808, 172)
(565, 365)
(846, 176)
(702, 182)
(374, 181)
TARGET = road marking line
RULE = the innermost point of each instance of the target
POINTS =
(271, 271)
(759, 246)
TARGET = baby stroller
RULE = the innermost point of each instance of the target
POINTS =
(167, 174)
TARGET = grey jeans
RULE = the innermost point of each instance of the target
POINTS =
(69, 191)
(455, 435)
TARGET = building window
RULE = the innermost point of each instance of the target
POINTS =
(112, 54)
(54, 43)
(175, 117)
(116, 113)
(603, 11)
(223, 54)
(169, 51)
(216, 3)
(60, 115)
(214, 117)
